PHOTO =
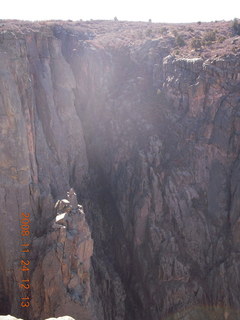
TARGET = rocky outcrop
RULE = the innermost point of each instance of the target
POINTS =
(150, 143)
(60, 280)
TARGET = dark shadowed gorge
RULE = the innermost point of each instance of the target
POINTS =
(147, 132)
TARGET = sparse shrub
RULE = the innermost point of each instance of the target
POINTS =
(199, 22)
(150, 20)
(115, 19)
(180, 41)
(209, 37)
(196, 43)
(236, 27)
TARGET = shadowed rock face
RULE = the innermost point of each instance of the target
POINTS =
(151, 145)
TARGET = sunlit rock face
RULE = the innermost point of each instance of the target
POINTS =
(150, 144)
(61, 279)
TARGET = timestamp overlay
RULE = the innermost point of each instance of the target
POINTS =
(25, 263)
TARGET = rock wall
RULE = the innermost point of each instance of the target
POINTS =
(150, 142)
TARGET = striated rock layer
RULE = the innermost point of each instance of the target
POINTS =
(150, 143)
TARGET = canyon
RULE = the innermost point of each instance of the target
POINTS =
(147, 134)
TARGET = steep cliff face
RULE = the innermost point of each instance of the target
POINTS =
(150, 142)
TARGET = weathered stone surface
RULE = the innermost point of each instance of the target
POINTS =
(61, 277)
(150, 142)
